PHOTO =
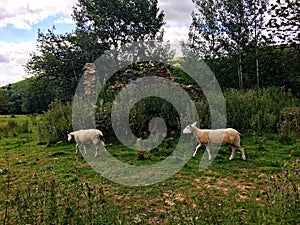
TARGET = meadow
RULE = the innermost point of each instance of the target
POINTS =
(49, 184)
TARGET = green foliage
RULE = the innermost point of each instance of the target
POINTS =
(100, 26)
(140, 116)
(282, 197)
(15, 93)
(11, 127)
(289, 124)
(284, 21)
(4, 102)
(119, 22)
(45, 200)
(241, 50)
(144, 110)
(42, 184)
(54, 125)
(57, 69)
(256, 110)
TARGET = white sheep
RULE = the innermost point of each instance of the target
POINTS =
(85, 137)
(216, 137)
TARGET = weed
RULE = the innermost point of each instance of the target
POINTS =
(49, 184)
(282, 197)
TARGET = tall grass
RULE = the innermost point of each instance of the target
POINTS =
(260, 110)
(44, 199)
(12, 127)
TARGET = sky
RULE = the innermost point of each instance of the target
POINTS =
(21, 19)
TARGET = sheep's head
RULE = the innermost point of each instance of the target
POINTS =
(69, 137)
(188, 128)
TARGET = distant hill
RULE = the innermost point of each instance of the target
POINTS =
(18, 87)
(16, 92)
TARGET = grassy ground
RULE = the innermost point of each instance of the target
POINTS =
(43, 184)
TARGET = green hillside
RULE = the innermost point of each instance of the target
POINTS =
(15, 93)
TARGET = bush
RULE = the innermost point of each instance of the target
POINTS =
(289, 123)
(256, 110)
(260, 110)
(54, 124)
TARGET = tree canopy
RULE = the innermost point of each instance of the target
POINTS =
(243, 40)
(100, 25)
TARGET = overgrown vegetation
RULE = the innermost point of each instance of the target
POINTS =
(9, 126)
(261, 110)
(42, 181)
(42, 184)
(56, 123)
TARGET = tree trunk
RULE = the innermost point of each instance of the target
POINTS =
(257, 67)
(240, 71)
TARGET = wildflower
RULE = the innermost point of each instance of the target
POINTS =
(271, 177)
(92, 188)
(280, 189)
(284, 173)
(296, 170)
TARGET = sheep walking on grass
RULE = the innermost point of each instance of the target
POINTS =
(85, 137)
(216, 137)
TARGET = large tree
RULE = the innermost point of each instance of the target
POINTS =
(100, 25)
(117, 22)
(227, 28)
(205, 34)
(259, 38)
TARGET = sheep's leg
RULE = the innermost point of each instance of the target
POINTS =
(233, 150)
(96, 153)
(103, 144)
(208, 151)
(243, 153)
(77, 148)
(198, 146)
(84, 149)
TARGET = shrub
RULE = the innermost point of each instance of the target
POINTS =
(257, 110)
(54, 124)
(289, 123)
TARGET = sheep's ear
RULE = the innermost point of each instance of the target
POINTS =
(194, 124)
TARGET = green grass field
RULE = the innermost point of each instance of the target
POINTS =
(49, 184)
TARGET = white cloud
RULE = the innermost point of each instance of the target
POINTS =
(22, 14)
(178, 20)
(16, 56)
(64, 19)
